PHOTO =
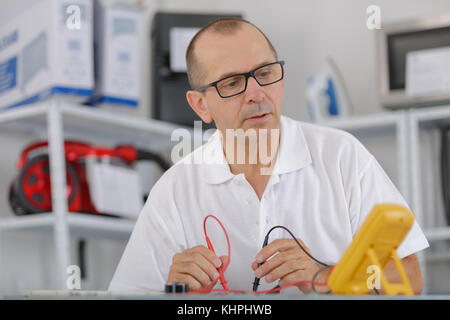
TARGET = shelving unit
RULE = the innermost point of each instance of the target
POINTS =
(59, 120)
(422, 122)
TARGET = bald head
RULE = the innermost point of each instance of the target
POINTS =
(227, 27)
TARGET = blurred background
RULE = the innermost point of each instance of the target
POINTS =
(108, 73)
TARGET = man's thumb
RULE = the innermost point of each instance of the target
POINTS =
(224, 260)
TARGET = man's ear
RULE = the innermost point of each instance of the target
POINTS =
(197, 102)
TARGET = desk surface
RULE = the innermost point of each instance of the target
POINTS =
(157, 295)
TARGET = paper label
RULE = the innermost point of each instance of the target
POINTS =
(428, 72)
(179, 41)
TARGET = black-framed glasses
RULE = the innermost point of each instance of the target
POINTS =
(237, 83)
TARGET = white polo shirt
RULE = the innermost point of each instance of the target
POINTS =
(323, 186)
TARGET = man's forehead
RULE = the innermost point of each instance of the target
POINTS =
(241, 51)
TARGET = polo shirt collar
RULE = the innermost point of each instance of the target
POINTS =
(294, 151)
(215, 168)
(293, 154)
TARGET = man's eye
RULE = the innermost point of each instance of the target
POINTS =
(230, 84)
(264, 74)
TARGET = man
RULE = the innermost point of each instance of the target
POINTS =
(320, 183)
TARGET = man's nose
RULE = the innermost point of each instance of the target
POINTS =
(254, 92)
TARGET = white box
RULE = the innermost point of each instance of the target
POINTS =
(47, 50)
(117, 56)
(113, 189)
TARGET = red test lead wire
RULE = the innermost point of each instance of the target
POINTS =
(221, 270)
(223, 281)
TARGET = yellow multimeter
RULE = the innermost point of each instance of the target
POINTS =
(372, 248)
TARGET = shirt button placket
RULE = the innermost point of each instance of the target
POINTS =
(245, 194)
(266, 208)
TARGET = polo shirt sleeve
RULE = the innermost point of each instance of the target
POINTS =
(375, 188)
(148, 255)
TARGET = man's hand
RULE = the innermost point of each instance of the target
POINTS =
(289, 264)
(195, 266)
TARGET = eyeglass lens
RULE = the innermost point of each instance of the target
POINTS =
(264, 76)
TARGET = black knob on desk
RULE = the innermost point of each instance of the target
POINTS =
(176, 287)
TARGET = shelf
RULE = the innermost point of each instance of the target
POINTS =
(438, 257)
(81, 225)
(432, 116)
(437, 234)
(85, 122)
(379, 121)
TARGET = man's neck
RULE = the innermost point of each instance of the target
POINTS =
(254, 158)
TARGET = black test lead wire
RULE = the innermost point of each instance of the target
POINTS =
(266, 240)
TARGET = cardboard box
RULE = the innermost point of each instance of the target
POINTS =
(117, 55)
(47, 50)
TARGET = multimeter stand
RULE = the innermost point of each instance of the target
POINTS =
(404, 287)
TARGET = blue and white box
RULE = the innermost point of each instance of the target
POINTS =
(47, 50)
(117, 56)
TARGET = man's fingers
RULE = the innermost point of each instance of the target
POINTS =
(207, 253)
(293, 277)
(291, 259)
(275, 246)
(203, 263)
(197, 256)
(224, 260)
(271, 249)
(197, 265)
(284, 269)
(196, 271)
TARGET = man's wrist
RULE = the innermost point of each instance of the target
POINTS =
(320, 281)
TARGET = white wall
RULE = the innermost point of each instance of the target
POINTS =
(304, 33)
